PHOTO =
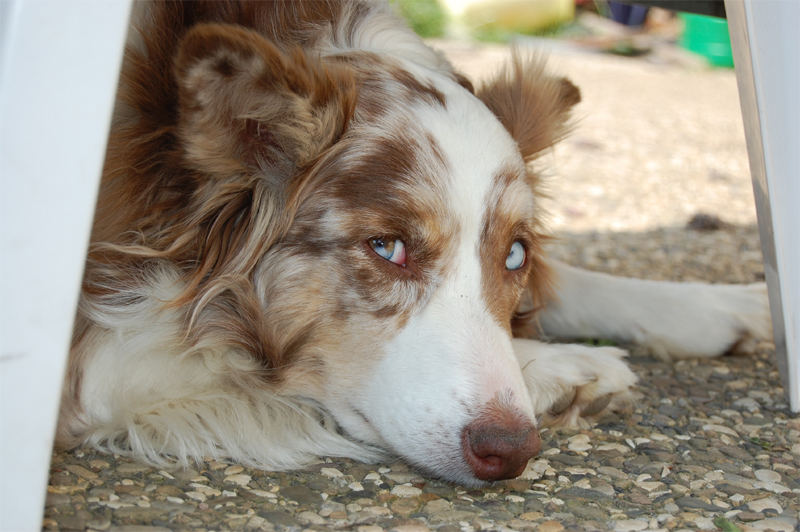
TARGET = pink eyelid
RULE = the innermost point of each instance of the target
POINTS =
(400, 260)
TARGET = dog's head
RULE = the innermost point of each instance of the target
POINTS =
(385, 219)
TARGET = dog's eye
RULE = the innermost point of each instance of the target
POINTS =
(516, 256)
(391, 250)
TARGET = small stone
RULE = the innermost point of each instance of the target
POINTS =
(257, 522)
(622, 449)
(405, 506)
(704, 523)
(604, 487)
(650, 486)
(437, 506)
(240, 480)
(405, 490)
(81, 472)
(679, 489)
(584, 471)
(776, 524)
(579, 443)
(631, 525)
(257, 493)
(131, 468)
(767, 475)
(749, 516)
(376, 511)
(535, 469)
(330, 508)
(720, 503)
(99, 523)
(311, 518)
(331, 472)
(747, 403)
(612, 472)
(196, 495)
(99, 464)
(355, 486)
(695, 504)
(760, 505)
(721, 429)
(550, 526)
(774, 487)
(583, 483)
(410, 527)
(214, 465)
(403, 477)
(233, 470)
(672, 508)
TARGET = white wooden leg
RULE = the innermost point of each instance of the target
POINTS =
(766, 49)
(59, 63)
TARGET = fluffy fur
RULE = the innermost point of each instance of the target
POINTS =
(307, 243)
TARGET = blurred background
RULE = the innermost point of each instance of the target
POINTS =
(654, 179)
(623, 28)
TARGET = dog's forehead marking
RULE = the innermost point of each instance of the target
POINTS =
(483, 166)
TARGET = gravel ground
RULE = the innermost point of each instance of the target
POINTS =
(708, 445)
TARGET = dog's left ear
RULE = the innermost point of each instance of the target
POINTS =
(533, 107)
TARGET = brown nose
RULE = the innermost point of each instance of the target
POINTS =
(496, 449)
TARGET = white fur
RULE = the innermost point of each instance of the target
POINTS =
(435, 376)
(141, 397)
(580, 372)
(673, 320)
(452, 358)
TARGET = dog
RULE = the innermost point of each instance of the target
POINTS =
(315, 238)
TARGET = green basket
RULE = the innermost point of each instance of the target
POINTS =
(707, 36)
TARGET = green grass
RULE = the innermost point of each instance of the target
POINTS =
(725, 525)
(494, 34)
(598, 342)
(426, 17)
(767, 446)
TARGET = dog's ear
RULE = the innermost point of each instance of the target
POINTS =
(245, 103)
(533, 107)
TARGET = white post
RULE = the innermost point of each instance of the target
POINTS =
(59, 64)
(766, 48)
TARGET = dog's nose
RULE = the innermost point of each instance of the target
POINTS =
(497, 450)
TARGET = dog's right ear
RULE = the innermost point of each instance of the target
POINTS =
(246, 105)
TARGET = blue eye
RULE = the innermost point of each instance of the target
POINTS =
(516, 256)
(391, 250)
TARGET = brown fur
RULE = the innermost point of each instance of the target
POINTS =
(535, 109)
(532, 106)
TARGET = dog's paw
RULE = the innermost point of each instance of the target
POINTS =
(715, 320)
(571, 385)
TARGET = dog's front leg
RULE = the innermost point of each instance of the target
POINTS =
(672, 320)
(569, 384)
